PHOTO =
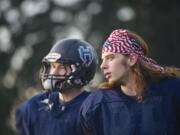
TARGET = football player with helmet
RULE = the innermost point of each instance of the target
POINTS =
(70, 65)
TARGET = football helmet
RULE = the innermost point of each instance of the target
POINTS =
(77, 54)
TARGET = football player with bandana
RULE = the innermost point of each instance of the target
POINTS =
(70, 65)
(139, 96)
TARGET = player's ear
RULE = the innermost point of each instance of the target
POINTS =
(133, 57)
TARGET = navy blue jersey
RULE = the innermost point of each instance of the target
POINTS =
(38, 117)
(110, 112)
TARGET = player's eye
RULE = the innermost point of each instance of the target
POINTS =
(110, 57)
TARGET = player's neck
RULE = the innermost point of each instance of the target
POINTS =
(68, 96)
(128, 87)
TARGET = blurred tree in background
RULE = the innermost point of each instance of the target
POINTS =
(28, 29)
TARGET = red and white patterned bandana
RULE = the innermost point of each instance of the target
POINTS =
(120, 42)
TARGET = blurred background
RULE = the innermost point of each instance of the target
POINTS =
(29, 28)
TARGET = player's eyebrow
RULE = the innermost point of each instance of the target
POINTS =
(109, 56)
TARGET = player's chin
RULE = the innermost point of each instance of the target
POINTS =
(115, 82)
(112, 82)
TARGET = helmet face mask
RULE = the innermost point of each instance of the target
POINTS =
(59, 82)
(50, 80)
(78, 55)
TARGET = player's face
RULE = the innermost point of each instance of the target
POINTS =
(59, 69)
(114, 66)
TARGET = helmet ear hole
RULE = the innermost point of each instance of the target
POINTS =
(87, 73)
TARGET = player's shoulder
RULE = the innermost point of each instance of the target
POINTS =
(33, 102)
(170, 82)
(104, 94)
(85, 94)
(167, 86)
(97, 97)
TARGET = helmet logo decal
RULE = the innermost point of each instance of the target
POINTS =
(53, 57)
(86, 55)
